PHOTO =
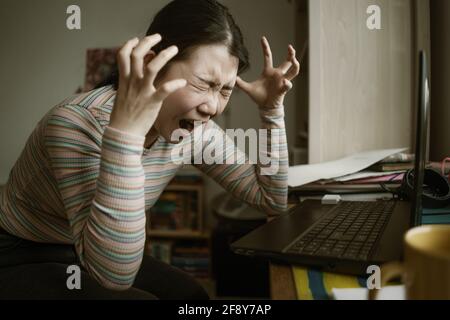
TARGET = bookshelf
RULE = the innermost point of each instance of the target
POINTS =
(176, 231)
(178, 234)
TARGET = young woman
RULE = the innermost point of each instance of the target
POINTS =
(98, 161)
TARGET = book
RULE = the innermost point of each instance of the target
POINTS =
(342, 188)
(399, 157)
(190, 261)
(436, 219)
(194, 259)
(161, 250)
(188, 174)
(386, 179)
(395, 166)
(301, 175)
(352, 197)
(186, 250)
(175, 210)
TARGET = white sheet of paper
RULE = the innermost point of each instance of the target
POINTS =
(304, 174)
(386, 293)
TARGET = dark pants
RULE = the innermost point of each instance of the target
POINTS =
(30, 270)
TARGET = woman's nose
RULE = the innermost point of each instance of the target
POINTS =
(206, 109)
(210, 107)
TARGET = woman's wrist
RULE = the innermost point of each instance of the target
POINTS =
(272, 118)
(127, 128)
(271, 110)
(126, 133)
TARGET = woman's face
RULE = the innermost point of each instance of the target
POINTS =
(210, 72)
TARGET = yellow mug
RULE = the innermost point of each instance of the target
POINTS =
(425, 271)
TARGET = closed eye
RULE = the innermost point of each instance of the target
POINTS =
(226, 93)
(200, 88)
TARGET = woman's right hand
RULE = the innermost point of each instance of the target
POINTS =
(137, 101)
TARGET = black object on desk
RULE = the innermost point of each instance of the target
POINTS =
(237, 275)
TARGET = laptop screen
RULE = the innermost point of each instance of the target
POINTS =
(421, 140)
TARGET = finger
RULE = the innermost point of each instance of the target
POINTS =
(287, 85)
(149, 57)
(123, 61)
(244, 85)
(138, 54)
(294, 70)
(158, 63)
(268, 60)
(287, 64)
(168, 88)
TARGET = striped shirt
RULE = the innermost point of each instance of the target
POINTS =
(79, 181)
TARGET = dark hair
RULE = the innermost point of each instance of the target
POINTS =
(191, 23)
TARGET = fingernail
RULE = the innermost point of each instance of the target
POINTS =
(171, 50)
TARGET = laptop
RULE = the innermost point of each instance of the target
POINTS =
(349, 236)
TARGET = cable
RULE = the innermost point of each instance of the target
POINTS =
(397, 194)
(443, 167)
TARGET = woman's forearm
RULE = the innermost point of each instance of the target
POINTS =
(262, 184)
(100, 179)
(112, 241)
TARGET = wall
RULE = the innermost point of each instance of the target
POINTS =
(440, 81)
(299, 151)
(360, 80)
(42, 62)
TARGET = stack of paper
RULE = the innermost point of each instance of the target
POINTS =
(346, 175)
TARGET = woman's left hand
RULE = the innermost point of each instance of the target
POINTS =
(270, 89)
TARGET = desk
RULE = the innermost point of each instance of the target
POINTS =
(282, 285)
(307, 283)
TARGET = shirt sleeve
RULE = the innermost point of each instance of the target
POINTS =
(259, 181)
(100, 179)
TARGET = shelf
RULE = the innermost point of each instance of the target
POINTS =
(182, 186)
(177, 234)
(187, 197)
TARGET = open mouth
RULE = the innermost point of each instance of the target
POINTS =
(187, 124)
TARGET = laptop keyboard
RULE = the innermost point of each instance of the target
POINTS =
(349, 232)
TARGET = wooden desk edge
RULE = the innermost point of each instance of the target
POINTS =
(282, 284)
